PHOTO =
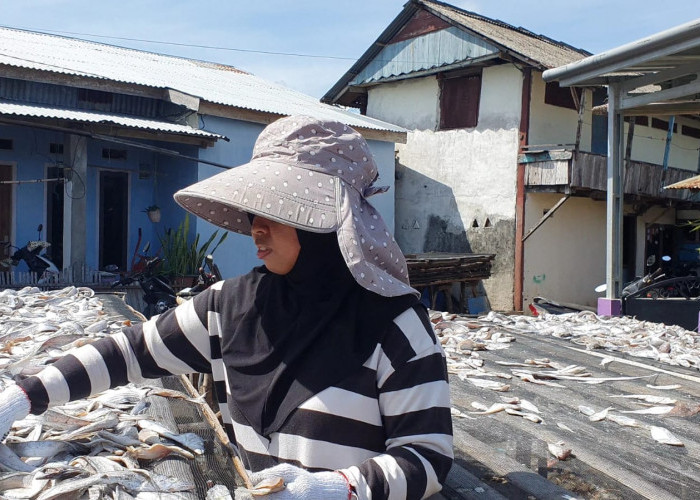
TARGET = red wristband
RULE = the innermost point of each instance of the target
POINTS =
(351, 488)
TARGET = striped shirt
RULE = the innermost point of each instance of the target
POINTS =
(387, 426)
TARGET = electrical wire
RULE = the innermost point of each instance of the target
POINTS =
(188, 45)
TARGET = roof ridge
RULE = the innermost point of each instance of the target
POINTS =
(503, 24)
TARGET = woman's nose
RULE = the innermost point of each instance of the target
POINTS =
(257, 225)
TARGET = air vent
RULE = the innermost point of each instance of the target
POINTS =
(56, 148)
(114, 154)
(6, 144)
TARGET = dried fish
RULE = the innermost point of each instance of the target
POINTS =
(559, 450)
(598, 416)
(495, 408)
(654, 410)
(623, 420)
(489, 384)
(648, 398)
(664, 436)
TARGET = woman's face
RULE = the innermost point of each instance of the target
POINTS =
(278, 244)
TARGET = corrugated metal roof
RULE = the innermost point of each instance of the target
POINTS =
(436, 49)
(216, 83)
(691, 183)
(536, 49)
(94, 117)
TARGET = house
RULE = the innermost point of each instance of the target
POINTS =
(92, 134)
(499, 161)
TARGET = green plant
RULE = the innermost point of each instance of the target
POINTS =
(183, 257)
(151, 208)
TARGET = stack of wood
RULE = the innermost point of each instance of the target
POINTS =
(428, 269)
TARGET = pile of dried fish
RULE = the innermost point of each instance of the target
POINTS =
(94, 447)
(666, 343)
(464, 337)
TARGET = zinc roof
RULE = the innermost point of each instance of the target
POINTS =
(539, 50)
(22, 110)
(692, 183)
(215, 83)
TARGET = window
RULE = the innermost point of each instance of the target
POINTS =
(6, 144)
(459, 101)
(113, 154)
(691, 131)
(561, 96)
(662, 124)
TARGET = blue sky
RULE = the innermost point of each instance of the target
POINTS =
(339, 30)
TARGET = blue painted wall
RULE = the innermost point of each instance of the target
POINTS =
(165, 175)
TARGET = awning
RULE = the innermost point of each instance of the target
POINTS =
(91, 117)
(669, 59)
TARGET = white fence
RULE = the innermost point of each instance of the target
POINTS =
(82, 276)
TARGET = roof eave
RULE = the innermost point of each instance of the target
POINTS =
(399, 21)
(679, 38)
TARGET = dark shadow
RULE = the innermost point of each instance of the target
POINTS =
(428, 220)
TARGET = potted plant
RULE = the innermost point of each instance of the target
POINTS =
(153, 212)
(183, 258)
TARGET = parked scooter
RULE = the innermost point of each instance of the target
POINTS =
(640, 281)
(158, 295)
(31, 253)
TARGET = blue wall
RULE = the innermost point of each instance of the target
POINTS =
(165, 175)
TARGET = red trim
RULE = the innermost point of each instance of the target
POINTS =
(351, 488)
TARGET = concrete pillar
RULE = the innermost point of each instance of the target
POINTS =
(75, 204)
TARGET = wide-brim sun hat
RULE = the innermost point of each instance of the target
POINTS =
(313, 175)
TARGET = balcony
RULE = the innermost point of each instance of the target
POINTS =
(586, 173)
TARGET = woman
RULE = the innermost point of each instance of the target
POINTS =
(326, 368)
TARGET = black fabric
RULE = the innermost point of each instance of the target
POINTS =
(302, 332)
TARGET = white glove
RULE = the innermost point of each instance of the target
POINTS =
(301, 484)
(14, 405)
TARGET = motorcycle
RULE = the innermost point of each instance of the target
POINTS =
(31, 253)
(158, 295)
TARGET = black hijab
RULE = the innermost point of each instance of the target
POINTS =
(305, 331)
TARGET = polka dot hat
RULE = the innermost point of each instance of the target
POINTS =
(313, 175)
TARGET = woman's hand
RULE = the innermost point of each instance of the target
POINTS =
(301, 484)
(14, 405)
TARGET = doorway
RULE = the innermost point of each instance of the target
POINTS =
(629, 248)
(6, 174)
(54, 214)
(113, 215)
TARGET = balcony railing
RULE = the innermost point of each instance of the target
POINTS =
(589, 172)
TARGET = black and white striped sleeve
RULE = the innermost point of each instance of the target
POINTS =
(414, 401)
(175, 342)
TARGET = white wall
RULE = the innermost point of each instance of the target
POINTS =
(649, 144)
(565, 256)
(501, 90)
(412, 104)
(446, 181)
(554, 124)
(449, 181)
